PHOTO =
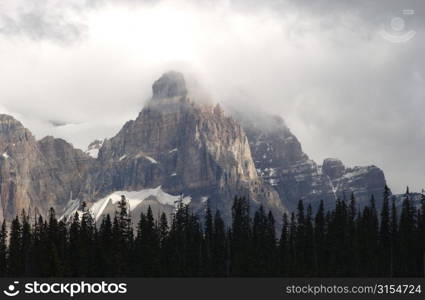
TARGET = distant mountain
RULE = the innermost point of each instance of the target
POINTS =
(36, 175)
(281, 162)
(179, 148)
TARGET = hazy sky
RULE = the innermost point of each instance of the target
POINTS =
(347, 76)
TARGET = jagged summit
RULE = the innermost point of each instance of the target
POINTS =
(8, 122)
(169, 85)
(181, 144)
(333, 167)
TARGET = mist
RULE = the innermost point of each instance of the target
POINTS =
(79, 70)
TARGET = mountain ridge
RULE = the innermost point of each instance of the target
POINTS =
(182, 147)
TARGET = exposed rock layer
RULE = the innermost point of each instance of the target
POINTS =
(184, 147)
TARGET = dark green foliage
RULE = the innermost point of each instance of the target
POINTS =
(3, 250)
(343, 242)
(147, 246)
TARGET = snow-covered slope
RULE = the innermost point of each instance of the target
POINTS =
(134, 198)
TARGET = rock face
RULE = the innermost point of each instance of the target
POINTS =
(36, 175)
(177, 149)
(93, 148)
(333, 168)
(281, 162)
(185, 148)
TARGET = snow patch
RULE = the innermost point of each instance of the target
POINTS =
(151, 159)
(93, 148)
(93, 153)
(70, 209)
(5, 155)
(134, 198)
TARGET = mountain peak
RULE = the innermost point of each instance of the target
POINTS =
(169, 85)
(8, 121)
(11, 129)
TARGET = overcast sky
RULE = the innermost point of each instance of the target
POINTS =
(347, 76)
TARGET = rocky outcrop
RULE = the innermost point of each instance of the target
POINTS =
(186, 148)
(37, 175)
(333, 168)
(179, 147)
(281, 162)
(93, 148)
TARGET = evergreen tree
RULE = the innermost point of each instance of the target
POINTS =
(407, 237)
(26, 243)
(74, 250)
(309, 251)
(16, 263)
(209, 242)
(241, 238)
(300, 267)
(147, 246)
(87, 243)
(220, 247)
(164, 245)
(394, 260)
(352, 251)
(284, 247)
(292, 257)
(105, 245)
(385, 236)
(421, 236)
(319, 238)
(3, 250)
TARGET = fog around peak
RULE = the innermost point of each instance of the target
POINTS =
(342, 88)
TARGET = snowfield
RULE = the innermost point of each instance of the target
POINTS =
(134, 198)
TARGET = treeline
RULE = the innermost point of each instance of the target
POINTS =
(345, 242)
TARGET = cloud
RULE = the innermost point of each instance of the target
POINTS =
(43, 20)
(342, 88)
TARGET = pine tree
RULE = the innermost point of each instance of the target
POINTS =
(16, 262)
(106, 247)
(319, 237)
(241, 238)
(74, 251)
(407, 237)
(87, 242)
(271, 246)
(309, 251)
(209, 240)
(301, 267)
(3, 250)
(292, 257)
(352, 251)
(164, 244)
(148, 246)
(122, 232)
(284, 247)
(26, 242)
(394, 263)
(385, 236)
(421, 236)
(258, 242)
(220, 247)
(368, 240)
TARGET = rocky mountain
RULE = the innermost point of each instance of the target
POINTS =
(37, 175)
(180, 148)
(281, 162)
(185, 148)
